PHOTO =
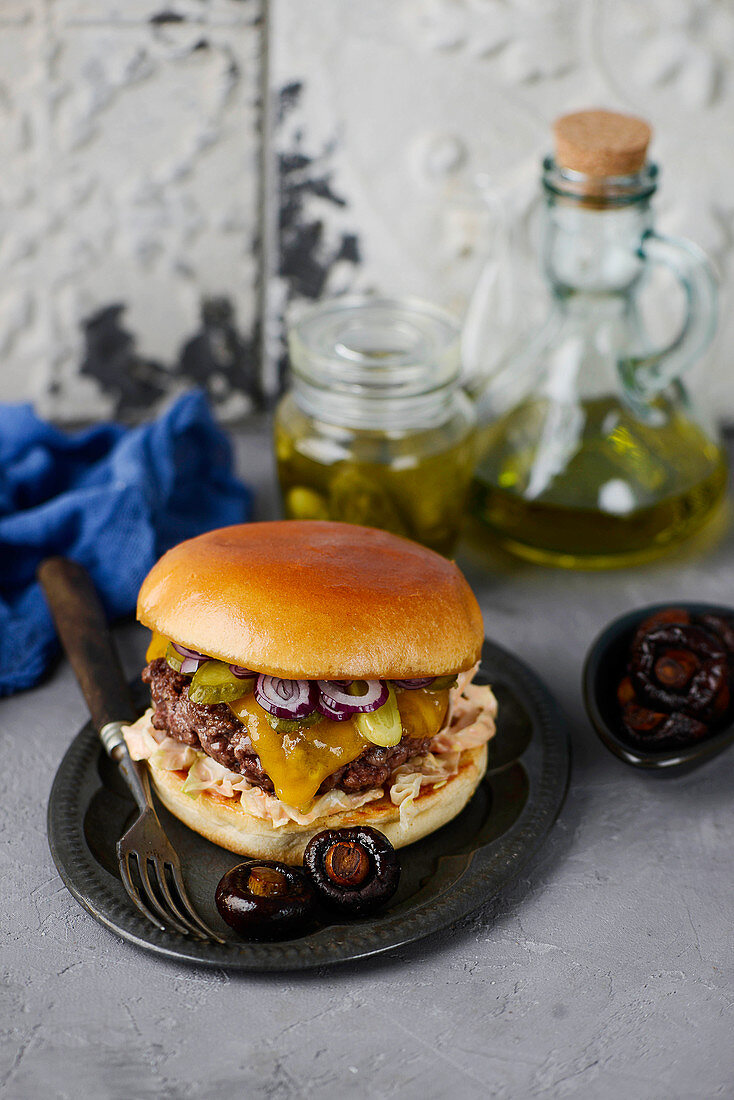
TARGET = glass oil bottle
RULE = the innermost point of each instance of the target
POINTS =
(593, 451)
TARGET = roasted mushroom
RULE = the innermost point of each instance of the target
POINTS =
(625, 692)
(265, 900)
(681, 668)
(655, 728)
(680, 677)
(354, 871)
(722, 626)
(664, 617)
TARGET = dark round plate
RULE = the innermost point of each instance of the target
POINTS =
(444, 877)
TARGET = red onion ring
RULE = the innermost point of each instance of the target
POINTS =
(333, 713)
(334, 695)
(414, 685)
(242, 673)
(285, 698)
(193, 653)
(191, 664)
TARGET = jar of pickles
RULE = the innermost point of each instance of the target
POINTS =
(376, 428)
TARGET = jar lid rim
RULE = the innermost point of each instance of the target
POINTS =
(378, 344)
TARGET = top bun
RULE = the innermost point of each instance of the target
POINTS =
(315, 600)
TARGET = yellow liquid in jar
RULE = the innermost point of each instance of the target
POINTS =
(628, 493)
(417, 489)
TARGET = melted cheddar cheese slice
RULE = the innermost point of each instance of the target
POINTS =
(157, 647)
(299, 762)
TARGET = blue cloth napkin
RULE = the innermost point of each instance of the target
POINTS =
(112, 498)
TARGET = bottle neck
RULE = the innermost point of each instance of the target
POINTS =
(596, 253)
(594, 229)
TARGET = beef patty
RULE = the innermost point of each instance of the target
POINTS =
(216, 730)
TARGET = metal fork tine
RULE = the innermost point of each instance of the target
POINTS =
(174, 906)
(171, 918)
(188, 905)
(133, 890)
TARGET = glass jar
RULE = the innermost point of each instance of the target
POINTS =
(592, 450)
(376, 429)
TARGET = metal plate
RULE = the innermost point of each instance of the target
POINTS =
(444, 877)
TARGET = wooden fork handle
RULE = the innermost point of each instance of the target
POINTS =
(82, 627)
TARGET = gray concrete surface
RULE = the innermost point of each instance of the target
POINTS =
(606, 971)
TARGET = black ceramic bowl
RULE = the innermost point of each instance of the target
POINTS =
(605, 667)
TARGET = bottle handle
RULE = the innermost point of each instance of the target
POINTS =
(652, 373)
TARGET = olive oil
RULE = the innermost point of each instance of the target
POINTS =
(593, 452)
(626, 490)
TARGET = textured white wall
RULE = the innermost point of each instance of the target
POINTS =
(130, 133)
(129, 138)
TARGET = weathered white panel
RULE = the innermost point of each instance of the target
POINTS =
(413, 112)
(130, 137)
(133, 179)
(207, 12)
(21, 211)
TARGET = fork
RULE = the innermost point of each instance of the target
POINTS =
(80, 621)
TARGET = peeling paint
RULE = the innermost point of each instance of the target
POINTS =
(309, 249)
(218, 359)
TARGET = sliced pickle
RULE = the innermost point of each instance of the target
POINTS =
(291, 725)
(441, 683)
(356, 496)
(174, 659)
(303, 503)
(382, 726)
(214, 683)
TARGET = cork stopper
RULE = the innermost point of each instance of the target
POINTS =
(601, 143)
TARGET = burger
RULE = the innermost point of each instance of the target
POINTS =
(310, 675)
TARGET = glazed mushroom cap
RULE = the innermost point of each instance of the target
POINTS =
(354, 871)
(699, 658)
(265, 900)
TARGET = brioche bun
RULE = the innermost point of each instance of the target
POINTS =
(226, 823)
(315, 600)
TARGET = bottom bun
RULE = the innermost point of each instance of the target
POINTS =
(224, 822)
